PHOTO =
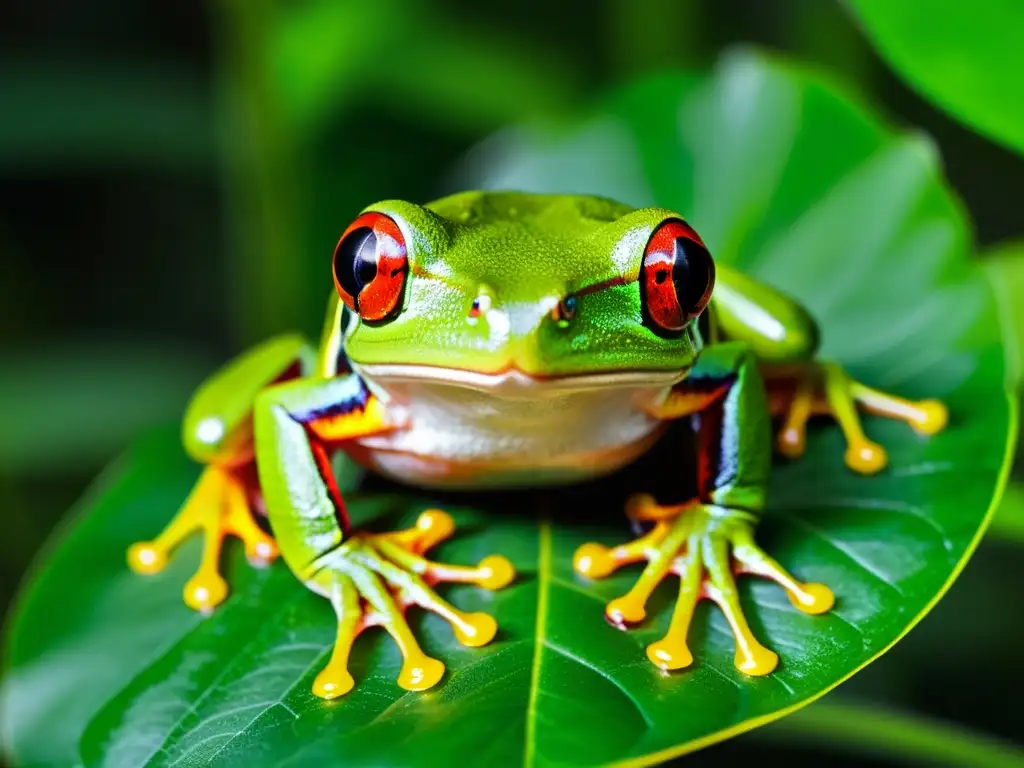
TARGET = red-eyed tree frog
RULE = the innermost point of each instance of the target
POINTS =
(500, 339)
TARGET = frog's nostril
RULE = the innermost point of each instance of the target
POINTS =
(565, 311)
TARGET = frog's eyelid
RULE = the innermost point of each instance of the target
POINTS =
(602, 285)
(419, 271)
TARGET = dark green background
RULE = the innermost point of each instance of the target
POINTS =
(147, 232)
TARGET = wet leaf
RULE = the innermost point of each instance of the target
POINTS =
(784, 175)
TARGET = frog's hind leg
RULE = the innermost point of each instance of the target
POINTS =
(224, 502)
(801, 391)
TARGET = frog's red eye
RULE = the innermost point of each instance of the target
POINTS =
(676, 277)
(370, 266)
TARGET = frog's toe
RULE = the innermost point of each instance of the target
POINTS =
(493, 572)
(333, 682)
(865, 457)
(931, 417)
(146, 558)
(205, 591)
(481, 629)
(334, 679)
(420, 673)
(810, 598)
(261, 552)
(671, 653)
(432, 527)
(402, 572)
(792, 441)
(595, 561)
(752, 658)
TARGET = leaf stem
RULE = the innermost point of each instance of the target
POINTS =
(878, 730)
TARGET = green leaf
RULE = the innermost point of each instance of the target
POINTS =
(965, 57)
(785, 175)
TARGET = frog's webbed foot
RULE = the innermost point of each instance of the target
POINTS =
(373, 578)
(693, 541)
(822, 388)
(219, 507)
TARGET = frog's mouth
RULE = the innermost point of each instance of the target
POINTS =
(514, 381)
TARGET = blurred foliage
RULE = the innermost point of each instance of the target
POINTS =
(128, 387)
(965, 56)
(68, 117)
(174, 175)
(880, 731)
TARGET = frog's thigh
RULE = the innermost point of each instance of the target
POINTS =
(218, 421)
(776, 328)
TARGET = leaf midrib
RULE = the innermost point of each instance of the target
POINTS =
(539, 634)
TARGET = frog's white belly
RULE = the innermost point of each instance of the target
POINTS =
(476, 430)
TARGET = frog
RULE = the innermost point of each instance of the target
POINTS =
(493, 340)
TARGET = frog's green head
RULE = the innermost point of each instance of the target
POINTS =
(481, 285)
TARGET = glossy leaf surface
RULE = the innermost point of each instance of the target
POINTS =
(964, 57)
(781, 174)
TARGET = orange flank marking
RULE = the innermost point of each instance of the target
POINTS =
(356, 423)
(683, 402)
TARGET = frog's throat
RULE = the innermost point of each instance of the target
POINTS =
(513, 381)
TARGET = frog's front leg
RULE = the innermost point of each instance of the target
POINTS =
(801, 390)
(703, 541)
(217, 431)
(370, 579)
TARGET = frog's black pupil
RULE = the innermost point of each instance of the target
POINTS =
(691, 273)
(355, 262)
(570, 305)
(366, 268)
